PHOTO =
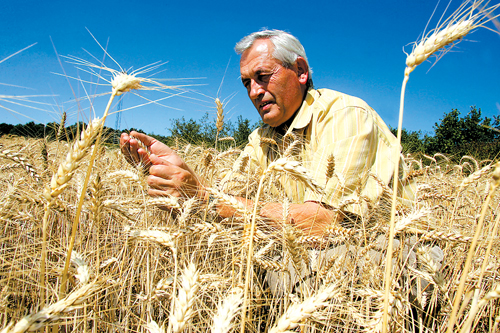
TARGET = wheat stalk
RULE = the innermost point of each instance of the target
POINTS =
(463, 21)
(69, 165)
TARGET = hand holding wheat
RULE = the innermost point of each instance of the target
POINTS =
(168, 173)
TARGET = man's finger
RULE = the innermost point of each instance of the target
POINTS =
(155, 146)
(155, 160)
(146, 139)
(163, 193)
(159, 182)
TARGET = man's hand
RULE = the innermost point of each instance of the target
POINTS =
(168, 173)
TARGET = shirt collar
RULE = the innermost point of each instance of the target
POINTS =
(304, 115)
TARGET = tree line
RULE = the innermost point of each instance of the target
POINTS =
(454, 135)
(199, 132)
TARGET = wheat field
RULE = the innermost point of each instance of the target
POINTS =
(138, 267)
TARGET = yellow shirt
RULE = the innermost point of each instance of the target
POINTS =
(362, 146)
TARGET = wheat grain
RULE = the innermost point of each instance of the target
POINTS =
(219, 124)
(294, 251)
(165, 201)
(153, 327)
(268, 141)
(229, 200)
(82, 268)
(445, 236)
(156, 236)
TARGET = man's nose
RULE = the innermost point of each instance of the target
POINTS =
(255, 90)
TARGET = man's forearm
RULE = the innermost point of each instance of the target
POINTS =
(311, 217)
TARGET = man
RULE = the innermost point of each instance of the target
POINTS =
(276, 74)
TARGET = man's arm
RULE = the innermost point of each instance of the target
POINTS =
(311, 217)
(170, 175)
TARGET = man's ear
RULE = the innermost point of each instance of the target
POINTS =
(302, 70)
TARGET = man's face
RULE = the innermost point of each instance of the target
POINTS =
(275, 91)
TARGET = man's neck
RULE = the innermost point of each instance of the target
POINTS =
(281, 129)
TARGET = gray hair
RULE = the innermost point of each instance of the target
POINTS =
(287, 48)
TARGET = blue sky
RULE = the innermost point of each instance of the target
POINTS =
(353, 47)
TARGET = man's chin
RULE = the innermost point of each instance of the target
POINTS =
(271, 122)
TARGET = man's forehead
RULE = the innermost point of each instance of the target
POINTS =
(261, 48)
(258, 57)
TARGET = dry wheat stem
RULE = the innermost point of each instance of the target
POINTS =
(463, 278)
(475, 306)
(250, 254)
(81, 200)
(388, 264)
(60, 182)
(121, 83)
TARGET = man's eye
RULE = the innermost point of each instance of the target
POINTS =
(264, 77)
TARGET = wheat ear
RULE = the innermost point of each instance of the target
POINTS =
(183, 310)
(62, 127)
(39, 319)
(226, 311)
(153, 327)
(68, 166)
(295, 169)
(297, 313)
(30, 169)
(156, 236)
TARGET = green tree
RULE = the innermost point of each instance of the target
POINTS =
(411, 141)
(203, 131)
(243, 129)
(470, 135)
